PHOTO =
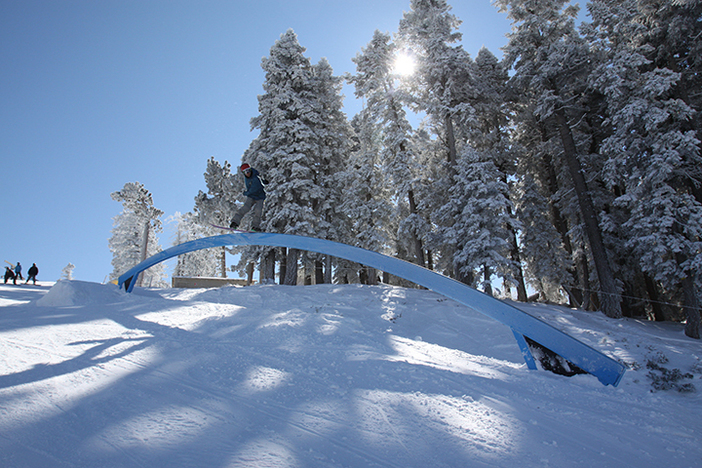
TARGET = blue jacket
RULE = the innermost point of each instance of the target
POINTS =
(254, 187)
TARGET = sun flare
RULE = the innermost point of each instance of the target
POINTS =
(404, 65)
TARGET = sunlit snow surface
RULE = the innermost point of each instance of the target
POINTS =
(323, 376)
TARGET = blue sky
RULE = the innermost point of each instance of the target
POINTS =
(97, 93)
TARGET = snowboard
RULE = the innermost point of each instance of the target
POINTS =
(230, 229)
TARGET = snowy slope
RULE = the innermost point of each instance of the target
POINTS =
(325, 376)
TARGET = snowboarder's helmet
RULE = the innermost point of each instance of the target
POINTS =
(245, 168)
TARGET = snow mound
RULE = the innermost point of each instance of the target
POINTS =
(80, 293)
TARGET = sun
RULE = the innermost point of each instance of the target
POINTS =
(404, 65)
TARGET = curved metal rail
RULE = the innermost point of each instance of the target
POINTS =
(607, 370)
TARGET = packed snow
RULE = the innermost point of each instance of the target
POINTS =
(326, 376)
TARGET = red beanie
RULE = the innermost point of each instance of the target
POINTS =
(245, 167)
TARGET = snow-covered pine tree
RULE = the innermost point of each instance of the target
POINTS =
(547, 263)
(335, 134)
(223, 190)
(67, 272)
(218, 205)
(672, 29)
(366, 197)
(533, 144)
(653, 153)
(298, 114)
(489, 133)
(335, 138)
(200, 263)
(446, 86)
(489, 128)
(444, 77)
(551, 63)
(481, 213)
(449, 86)
(134, 234)
(375, 83)
(287, 148)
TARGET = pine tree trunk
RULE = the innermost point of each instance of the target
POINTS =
(451, 141)
(249, 273)
(328, 269)
(144, 250)
(691, 304)
(372, 276)
(144, 242)
(658, 315)
(561, 225)
(487, 274)
(582, 272)
(519, 273)
(308, 273)
(283, 265)
(291, 267)
(418, 247)
(691, 307)
(363, 275)
(268, 268)
(610, 300)
(223, 262)
(318, 272)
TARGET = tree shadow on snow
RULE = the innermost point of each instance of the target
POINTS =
(210, 397)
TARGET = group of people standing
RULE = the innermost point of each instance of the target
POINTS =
(16, 272)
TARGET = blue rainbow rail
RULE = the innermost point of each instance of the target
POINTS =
(524, 326)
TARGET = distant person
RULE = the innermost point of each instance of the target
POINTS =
(254, 199)
(18, 271)
(10, 275)
(32, 273)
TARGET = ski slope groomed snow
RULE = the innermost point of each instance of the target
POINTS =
(326, 376)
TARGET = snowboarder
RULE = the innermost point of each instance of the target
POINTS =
(10, 275)
(32, 273)
(254, 198)
(18, 271)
